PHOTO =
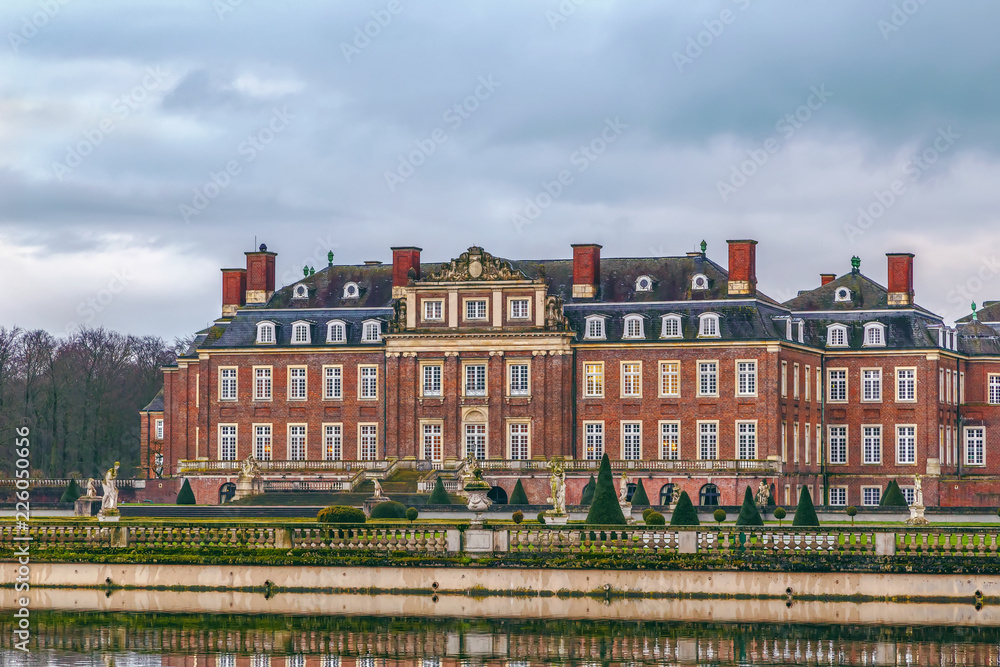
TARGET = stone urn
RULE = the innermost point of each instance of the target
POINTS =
(477, 490)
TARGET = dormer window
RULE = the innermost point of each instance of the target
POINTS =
(265, 333)
(300, 292)
(842, 295)
(594, 327)
(699, 282)
(671, 326)
(800, 326)
(372, 332)
(874, 334)
(336, 332)
(836, 336)
(301, 334)
(644, 284)
(708, 325)
(633, 327)
(351, 291)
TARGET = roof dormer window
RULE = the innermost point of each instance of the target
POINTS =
(336, 332)
(300, 292)
(351, 291)
(644, 284)
(301, 334)
(265, 333)
(836, 336)
(708, 325)
(633, 327)
(699, 281)
(594, 327)
(874, 334)
(842, 295)
(372, 332)
(670, 326)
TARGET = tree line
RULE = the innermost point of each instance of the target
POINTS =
(80, 394)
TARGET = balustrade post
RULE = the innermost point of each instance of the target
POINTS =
(687, 542)
(885, 544)
(453, 540)
(282, 538)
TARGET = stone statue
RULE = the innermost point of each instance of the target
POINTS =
(918, 490)
(110, 501)
(378, 490)
(249, 468)
(623, 491)
(554, 317)
(91, 488)
(763, 491)
(557, 483)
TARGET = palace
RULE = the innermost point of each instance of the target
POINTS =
(679, 369)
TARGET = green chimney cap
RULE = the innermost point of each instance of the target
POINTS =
(855, 264)
(975, 315)
(704, 246)
(312, 270)
(329, 258)
(305, 271)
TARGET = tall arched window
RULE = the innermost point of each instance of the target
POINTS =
(667, 494)
(709, 495)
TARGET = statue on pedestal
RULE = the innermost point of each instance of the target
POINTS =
(557, 483)
(109, 503)
(917, 508)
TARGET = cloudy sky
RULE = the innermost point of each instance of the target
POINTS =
(145, 145)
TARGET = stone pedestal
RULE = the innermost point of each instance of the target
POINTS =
(248, 487)
(370, 503)
(627, 511)
(108, 519)
(87, 506)
(917, 516)
(556, 519)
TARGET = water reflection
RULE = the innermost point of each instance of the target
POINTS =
(140, 640)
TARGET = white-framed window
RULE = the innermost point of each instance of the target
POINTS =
(836, 335)
(670, 326)
(975, 445)
(333, 442)
(838, 445)
(784, 441)
(838, 496)
(432, 449)
(262, 383)
(906, 444)
(593, 384)
(433, 310)
(301, 334)
(670, 440)
(746, 440)
(432, 380)
(909, 494)
(784, 379)
(994, 389)
(260, 660)
(670, 379)
(871, 384)
(475, 441)
(158, 426)
(262, 442)
(297, 383)
(631, 441)
(819, 385)
(708, 440)
(371, 331)
(708, 378)
(520, 309)
(746, 377)
(333, 382)
(227, 384)
(475, 309)
(594, 327)
(906, 385)
(871, 495)
(331, 661)
(593, 440)
(631, 379)
(871, 444)
(807, 381)
(518, 440)
(227, 442)
(795, 381)
(874, 334)
(368, 382)
(699, 281)
(519, 379)
(296, 442)
(633, 327)
(475, 380)
(351, 291)
(368, 442)
(842, 294)
(265, 333)
(336, 332)
(644, 284)
(838, 385)
(708, 325)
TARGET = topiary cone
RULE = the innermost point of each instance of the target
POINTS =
(439, 496)
(587, 497)
(605, 511)
(684, 512)
(640, 497)
(805, 512)
(71, 493)
(185, 496)
(893, 496)
(749, 515)
(518, 496)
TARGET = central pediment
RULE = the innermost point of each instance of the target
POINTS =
(476, 264)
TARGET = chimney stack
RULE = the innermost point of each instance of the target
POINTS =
(234, 290)
(742, 267)
(826, 278)
(586, 270)
(404, 259)
(260, 275)
(900, 278)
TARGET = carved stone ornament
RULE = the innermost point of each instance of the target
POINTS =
(476, 264)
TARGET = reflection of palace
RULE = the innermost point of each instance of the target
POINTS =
(681, 370)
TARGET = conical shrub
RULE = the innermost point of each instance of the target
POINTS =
(640, 497)
(439, 496)
(893, 496)
(186, 496)
(71, 493)
(684, 512)
(587, 497)
(805, 512)
(518, 496)
(749, 516)
(605, 511)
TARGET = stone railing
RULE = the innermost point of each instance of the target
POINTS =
(450, 485)
(60, 482)
(233, 467)
(307, 485)
(678, 466)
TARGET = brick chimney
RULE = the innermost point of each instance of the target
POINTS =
(260, 275)
(900, 278)
(742, 267)
(234, 290)
(403, 260)
(586, 270)
(826, 278)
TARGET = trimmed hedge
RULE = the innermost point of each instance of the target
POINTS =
(389, 510)
(341, 514)
(186, 496)
(655, 519)
(412, 514)
(684, 512)
(749, 515)
(518, 496)
(587, 497)
(438, 495)
(805, 512)
(646, 512)
(640, 497)
(893, 496)
(71, 493)
(605, 511)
